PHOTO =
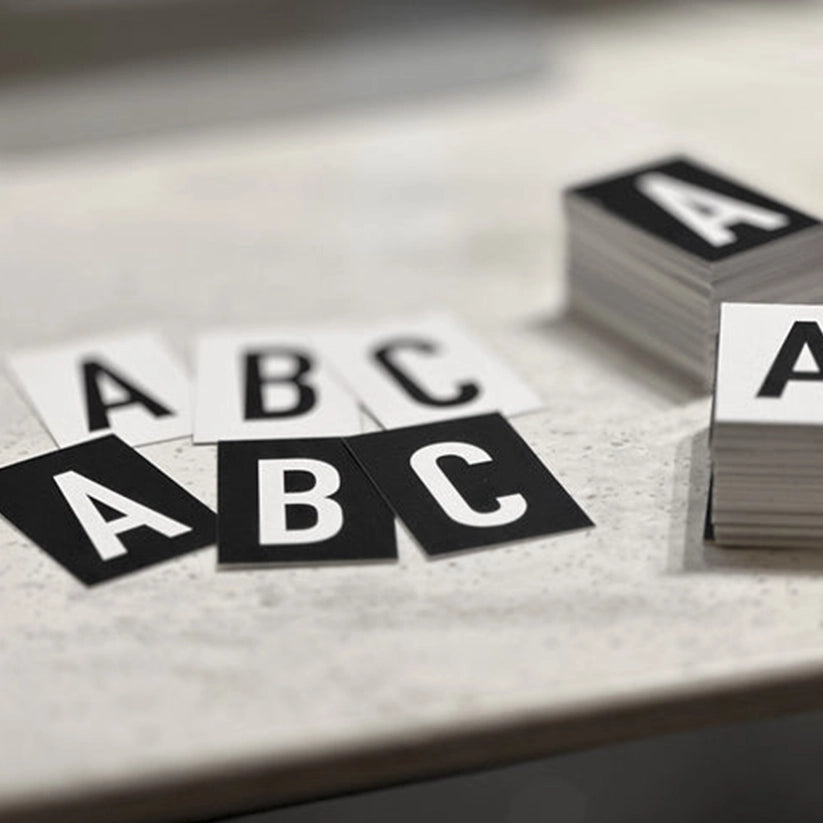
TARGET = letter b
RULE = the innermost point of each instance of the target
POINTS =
(256, 407)
(298, 501)
(274, 501)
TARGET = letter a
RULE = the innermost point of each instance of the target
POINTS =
(97, 409)
(79, 492)
(802, 333)
(705, 212)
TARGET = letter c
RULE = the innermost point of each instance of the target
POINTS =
(384, 355)
(510, 507)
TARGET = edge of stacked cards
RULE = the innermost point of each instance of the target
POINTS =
(662, 294)
(767, 427)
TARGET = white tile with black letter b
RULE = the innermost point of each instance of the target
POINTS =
(258, 384)
(465, 483)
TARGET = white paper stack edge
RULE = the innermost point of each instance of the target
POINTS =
(767, 427)
(653, 252)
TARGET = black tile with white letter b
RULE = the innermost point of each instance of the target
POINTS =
(298, 501)
(465, 483)
(102, 510)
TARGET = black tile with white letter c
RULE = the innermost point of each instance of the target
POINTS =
(466, 483)
(101, 510)
(298, 501)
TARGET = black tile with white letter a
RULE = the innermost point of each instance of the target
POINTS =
(298, 501)
(102, 510)
(653, 251)
(466, 483)
(704, 213)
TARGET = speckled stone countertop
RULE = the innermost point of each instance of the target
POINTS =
(180, 690)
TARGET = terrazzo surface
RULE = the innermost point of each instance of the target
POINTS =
(451, 203)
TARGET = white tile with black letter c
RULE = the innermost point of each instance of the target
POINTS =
(423, 369)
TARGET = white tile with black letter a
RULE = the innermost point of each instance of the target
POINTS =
(101, 510)
(258, 384)
(767, 427)
(465, 483)
(654, 250)
(298, 501)
(130, 385)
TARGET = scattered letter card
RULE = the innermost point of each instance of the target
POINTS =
(298, 501)
(426, 369)
(466, 483)
(266, 384)
(129, 385)
(102, 510)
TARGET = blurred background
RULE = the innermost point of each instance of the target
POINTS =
(128, 68)
(395, 153)
(338, 141)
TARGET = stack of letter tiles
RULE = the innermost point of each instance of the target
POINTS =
(298, 481)
(767, 427)
(652, 252)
